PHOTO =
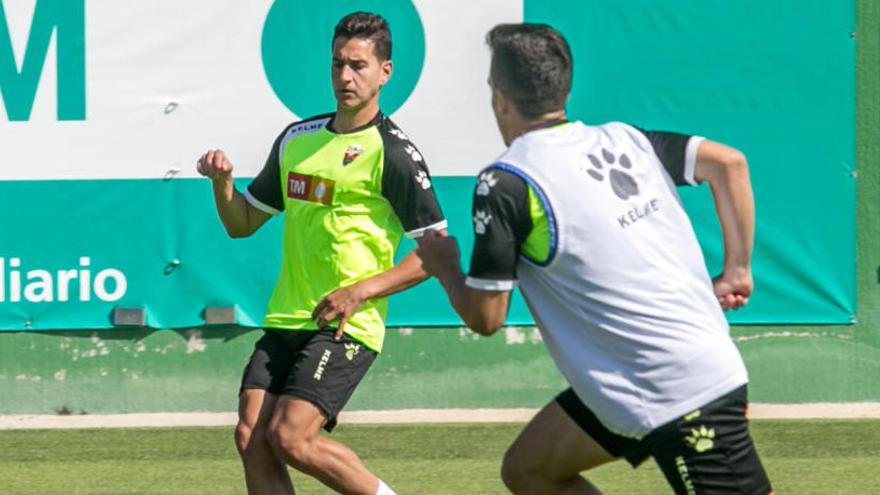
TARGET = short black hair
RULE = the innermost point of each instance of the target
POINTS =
(368, 26)
(531, 64)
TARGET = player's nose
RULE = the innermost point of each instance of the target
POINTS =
(345, 74)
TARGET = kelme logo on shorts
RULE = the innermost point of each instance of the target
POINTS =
(296, 43)
(685, 475)
(319, 371)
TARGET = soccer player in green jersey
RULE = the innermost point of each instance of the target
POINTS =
(350, 184)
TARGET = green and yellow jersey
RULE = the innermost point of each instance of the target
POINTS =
(347, 199)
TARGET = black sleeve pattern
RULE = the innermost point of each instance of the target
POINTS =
(406, 183)
(502, 223)
(264, 192)
(672, 148)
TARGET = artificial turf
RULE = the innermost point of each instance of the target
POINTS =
(802, 457)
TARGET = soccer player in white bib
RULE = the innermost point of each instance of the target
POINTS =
(587, 222)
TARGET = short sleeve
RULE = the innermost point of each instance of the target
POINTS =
(677, 152)
(406, 184)
(502, 223)
(264, 192)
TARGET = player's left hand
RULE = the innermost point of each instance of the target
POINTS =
(339, 305)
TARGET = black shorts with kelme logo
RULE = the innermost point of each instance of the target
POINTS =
(309, 365)
(707, 451)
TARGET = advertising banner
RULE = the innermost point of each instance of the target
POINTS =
(106, 108)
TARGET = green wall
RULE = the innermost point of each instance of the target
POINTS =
(868, 160)
(836, 363)
(138, 371)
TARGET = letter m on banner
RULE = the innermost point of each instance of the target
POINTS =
(65, 19)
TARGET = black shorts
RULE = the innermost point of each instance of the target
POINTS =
(309, 365)
(708, 451)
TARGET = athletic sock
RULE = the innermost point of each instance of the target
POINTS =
(384, 489)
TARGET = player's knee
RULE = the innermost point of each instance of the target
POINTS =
(511, 477)
(515, 471)
(289, 444)
(252, 443)
(243, 434)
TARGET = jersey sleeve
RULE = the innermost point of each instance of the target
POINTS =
(677, 152)
(502, 223)
(406, 184)
(264, 192)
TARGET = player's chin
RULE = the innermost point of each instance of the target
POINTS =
(348, 101)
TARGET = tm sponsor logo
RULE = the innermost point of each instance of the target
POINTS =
(43, 286)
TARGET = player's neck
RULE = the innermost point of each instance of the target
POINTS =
(347, 120)
(520, 125)
(544, 121)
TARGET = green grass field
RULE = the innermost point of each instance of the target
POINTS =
(802, 457)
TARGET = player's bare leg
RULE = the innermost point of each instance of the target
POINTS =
(549, 455)
(295, 434)
(264, 472)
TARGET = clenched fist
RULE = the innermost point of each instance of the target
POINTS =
(214, 165)
(733, 288)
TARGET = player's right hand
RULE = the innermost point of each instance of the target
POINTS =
(214, 165)
(438, 251)
(733, 288)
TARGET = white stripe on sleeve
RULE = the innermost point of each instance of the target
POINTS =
(256, 203)
(690, 159)
(415, 234)
(490, 285)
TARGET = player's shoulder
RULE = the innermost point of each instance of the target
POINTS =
(502, 178)
(620, 128)
(623, 131)
(390, 128)
(307, 126)
(399, 148)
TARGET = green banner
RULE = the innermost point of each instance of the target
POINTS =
(85, 248)
(774, 79)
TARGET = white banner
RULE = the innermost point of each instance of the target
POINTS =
(166, 80)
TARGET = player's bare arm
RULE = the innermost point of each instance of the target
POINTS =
(482, 311)
(239, 218)
(727, 172)
(344, 302)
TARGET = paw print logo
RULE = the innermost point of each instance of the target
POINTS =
(400, 134)
(413, 153)
(622, 183)
(423, 179)
(351, 350)
(487, 182)
(701, 439)
(481, 220)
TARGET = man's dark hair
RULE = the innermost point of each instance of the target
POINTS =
(368, 26)
(532, 65)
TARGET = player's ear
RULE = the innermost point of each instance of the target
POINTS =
(501, 103)
(386, 68)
